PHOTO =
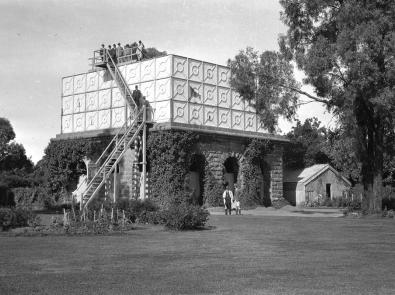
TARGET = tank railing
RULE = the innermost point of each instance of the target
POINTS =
(100, 56)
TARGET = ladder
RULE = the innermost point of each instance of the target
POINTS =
(125, 137)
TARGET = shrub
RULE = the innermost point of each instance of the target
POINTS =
(7, 218)
(10, 217)
(183, 216)
(212, 190)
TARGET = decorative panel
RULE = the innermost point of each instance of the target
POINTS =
(195, 70)
(163, 67)
(195, 114)
(195, 92)
(67, 124)
(148, 90)
(122, 69)
(250, 122)
(118, 117)
(79, 83)
(163, 89)
(237, 120)
(180, 67)
(211, 116)
(79, 103)
(132, 73)
(104, 119)
(180, 112)
(105, 99)
(210, 95)
(237, 102)
(92, 101)
(224, 97)
(105, 80)
(162, 111)
(91, 121)
(224, 119)
(223, 76)
(260, 127)
(148, 70)
(210, 73)
(180, 89)
(78, 122)
(92, 81)
(67, 85)
(67, 105)
(117, 98)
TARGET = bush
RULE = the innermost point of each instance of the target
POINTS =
(184, 216)
(143, 211)
(7, 218)
(10, 218)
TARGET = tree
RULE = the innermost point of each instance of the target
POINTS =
(152, 52)
(6, 135)
(346, 49)
(307, 146)
(253, 76)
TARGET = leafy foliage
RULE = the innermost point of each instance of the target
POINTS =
(346, 50)
(212, 189)
(260, 80)
(185, 216)
(11, 218)
(169, 155)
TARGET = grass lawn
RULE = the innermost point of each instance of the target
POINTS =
(241, 255)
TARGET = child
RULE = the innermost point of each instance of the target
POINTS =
(236, 200)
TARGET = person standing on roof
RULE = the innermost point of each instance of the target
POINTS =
(113, 53)
(140, 49)
(127, 52)
(119, 52)
(102, 52)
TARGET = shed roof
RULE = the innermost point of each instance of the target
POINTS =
(310, 173)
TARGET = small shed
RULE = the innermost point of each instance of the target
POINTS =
(304, 185)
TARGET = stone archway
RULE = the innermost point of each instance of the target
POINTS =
(231, 171)
(195, 179)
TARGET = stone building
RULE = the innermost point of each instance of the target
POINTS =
(318, 181)
(184, 94)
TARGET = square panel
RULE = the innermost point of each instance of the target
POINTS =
(67, 105)
(180, 112)
(148, 90)
(224, 97)
(223, 76)
(224, 118)
(180, 90)
(79, 122)
(79, 83)
(105, 99)
(92, 101)
(117, 98)
(67, 124)
(92, 81)
(210, 73)
(104, 119)
(67, 86)
(210, 116)
(105, 80)
(250, 122)
(195, 70)
(79, 103)
(196, 114)
(163, 67)
(148, 70)
(163, 89)
(132, 73)
(195, 92)
(238, 120)
(180, 67)
(237, 101)
(210, 95)
(162, 111)
(249, 107)
(118, 117)
(91, 120)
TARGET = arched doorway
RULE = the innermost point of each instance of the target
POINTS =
(196, 178)
(231, 169)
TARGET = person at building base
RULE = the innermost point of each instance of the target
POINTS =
(236, 200)
(228, 200)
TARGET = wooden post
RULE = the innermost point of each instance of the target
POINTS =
(143, 184)
(115, 184)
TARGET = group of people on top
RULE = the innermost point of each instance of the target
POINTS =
(120, 54)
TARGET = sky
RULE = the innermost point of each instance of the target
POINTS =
(42, 41)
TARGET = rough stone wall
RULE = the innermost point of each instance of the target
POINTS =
(275, 161)
(125, 176)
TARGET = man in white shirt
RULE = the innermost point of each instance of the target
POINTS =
(228, 200)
